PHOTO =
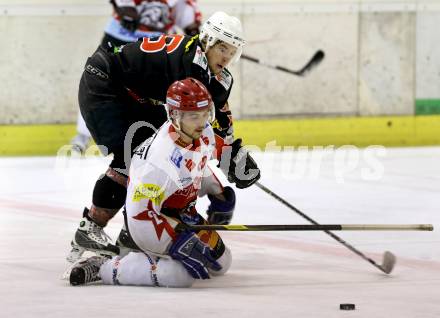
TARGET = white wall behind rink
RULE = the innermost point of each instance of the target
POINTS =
(375, 61)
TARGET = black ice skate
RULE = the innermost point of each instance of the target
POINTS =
(91, 237)
(126, 243)
(86, 271)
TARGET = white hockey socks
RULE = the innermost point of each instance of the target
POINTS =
(143, 270)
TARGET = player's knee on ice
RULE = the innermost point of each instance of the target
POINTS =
(225, 261)
(136, 269)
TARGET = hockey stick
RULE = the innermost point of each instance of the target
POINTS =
(312, 227)
(388, 262)
(314, 61)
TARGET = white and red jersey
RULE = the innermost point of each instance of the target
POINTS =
(156, 17)
(164, 180)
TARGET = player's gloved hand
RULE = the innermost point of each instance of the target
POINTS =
(242, 170)
(221, 211)
(194, 255)
(129, 17)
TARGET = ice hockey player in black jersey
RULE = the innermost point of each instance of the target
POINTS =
(134, 19)
(121, 96)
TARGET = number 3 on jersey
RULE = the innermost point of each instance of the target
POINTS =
(156, 44)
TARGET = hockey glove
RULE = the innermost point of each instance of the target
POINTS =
(194, 255)
(242, 170)
(219, 211)
(129, 16)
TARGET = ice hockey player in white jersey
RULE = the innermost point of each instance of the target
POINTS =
(165, 179)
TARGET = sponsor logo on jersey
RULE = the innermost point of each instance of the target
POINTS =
(183, 196)
(225, 79)
(176, 157)
(200, 58)
(148, 191)
(96, 71)
(202, 163)
(190, 42)
(205, 139)
(185, 181)
(189, 164)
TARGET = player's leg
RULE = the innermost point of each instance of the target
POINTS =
(220, 252)
(103, 112)
(82, 139)
(86, 271)
(145, 236)
(145, 270)
(225, 261)
(152, 119)
(108, 197)
(136, 269)
(125, 242)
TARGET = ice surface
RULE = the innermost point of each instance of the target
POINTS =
(274, 274)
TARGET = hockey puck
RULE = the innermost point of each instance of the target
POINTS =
(347, 307)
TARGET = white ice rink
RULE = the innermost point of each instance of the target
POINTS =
(274, 274)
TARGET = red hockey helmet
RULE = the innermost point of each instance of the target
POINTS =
(188, 95)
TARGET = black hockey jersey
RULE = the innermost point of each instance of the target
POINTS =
(145, 69)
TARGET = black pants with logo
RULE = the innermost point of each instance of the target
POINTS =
(111, 115)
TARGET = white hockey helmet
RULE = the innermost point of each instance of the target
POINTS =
(221, 26)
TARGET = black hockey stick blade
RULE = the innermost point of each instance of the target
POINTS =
(314, 62)
(389, 260)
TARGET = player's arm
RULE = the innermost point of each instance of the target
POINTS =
(188, 17)
(223, 123)
(235, 161)
(126, 13)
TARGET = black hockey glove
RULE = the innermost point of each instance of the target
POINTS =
(129, 17)
(242, 169)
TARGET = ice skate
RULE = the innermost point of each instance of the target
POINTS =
(86, 271)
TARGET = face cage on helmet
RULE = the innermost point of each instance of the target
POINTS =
(212, 34)
(177, 117)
